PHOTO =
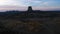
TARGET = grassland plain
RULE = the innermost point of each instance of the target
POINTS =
(33, 23)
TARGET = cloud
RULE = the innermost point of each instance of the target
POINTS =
(30, 2)
(38, 3)
(45, 3)
(35, 3)
(7, 2)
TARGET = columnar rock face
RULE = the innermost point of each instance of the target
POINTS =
(30, 9)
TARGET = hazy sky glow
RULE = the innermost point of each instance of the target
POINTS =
(35, 3)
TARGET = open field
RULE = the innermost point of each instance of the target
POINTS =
(20, 23)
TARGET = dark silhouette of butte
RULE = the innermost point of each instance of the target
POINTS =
(30, 9)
